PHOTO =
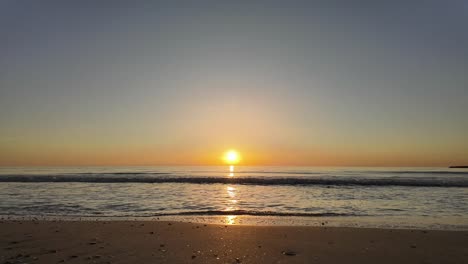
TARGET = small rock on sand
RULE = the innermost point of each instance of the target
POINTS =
(289, 253)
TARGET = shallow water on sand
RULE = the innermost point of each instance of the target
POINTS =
(397, 197)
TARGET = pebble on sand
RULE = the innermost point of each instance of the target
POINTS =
(289, 253)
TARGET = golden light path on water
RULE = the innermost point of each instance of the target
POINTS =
(232, 201)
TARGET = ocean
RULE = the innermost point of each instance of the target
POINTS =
(435, 198)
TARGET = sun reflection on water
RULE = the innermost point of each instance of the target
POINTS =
(231, 219)
(231, 191)
(231, 205)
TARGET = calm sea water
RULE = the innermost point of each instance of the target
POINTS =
(389, 197)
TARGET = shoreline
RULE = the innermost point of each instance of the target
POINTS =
(178, 242)
(366, 222)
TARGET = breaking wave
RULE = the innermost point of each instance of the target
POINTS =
(291, 180)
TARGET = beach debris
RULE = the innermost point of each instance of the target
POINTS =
(289, 253)
(162, 245)
(151, 233)
(193, 256)
(413, 246)
(238, 260)
(73, 256)
(53, 251)
(169, 223)
(92, 243)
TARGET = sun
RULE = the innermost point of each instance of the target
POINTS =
(231, 157)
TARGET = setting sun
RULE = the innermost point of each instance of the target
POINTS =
(231, 157)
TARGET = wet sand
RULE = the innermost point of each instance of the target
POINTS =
(174, 242)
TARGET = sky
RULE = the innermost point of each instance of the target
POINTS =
(300, 83)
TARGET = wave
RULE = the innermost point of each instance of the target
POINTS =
(286, 172)
(444, 172)
(253, 213)
(330, 181)
(189, 213)
(121, 173)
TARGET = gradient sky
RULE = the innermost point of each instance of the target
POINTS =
(283, 82)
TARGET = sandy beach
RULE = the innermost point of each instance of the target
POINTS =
(175, 242)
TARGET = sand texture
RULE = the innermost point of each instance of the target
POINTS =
(172, 242)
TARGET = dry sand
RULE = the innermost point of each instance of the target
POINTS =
(173, 242)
